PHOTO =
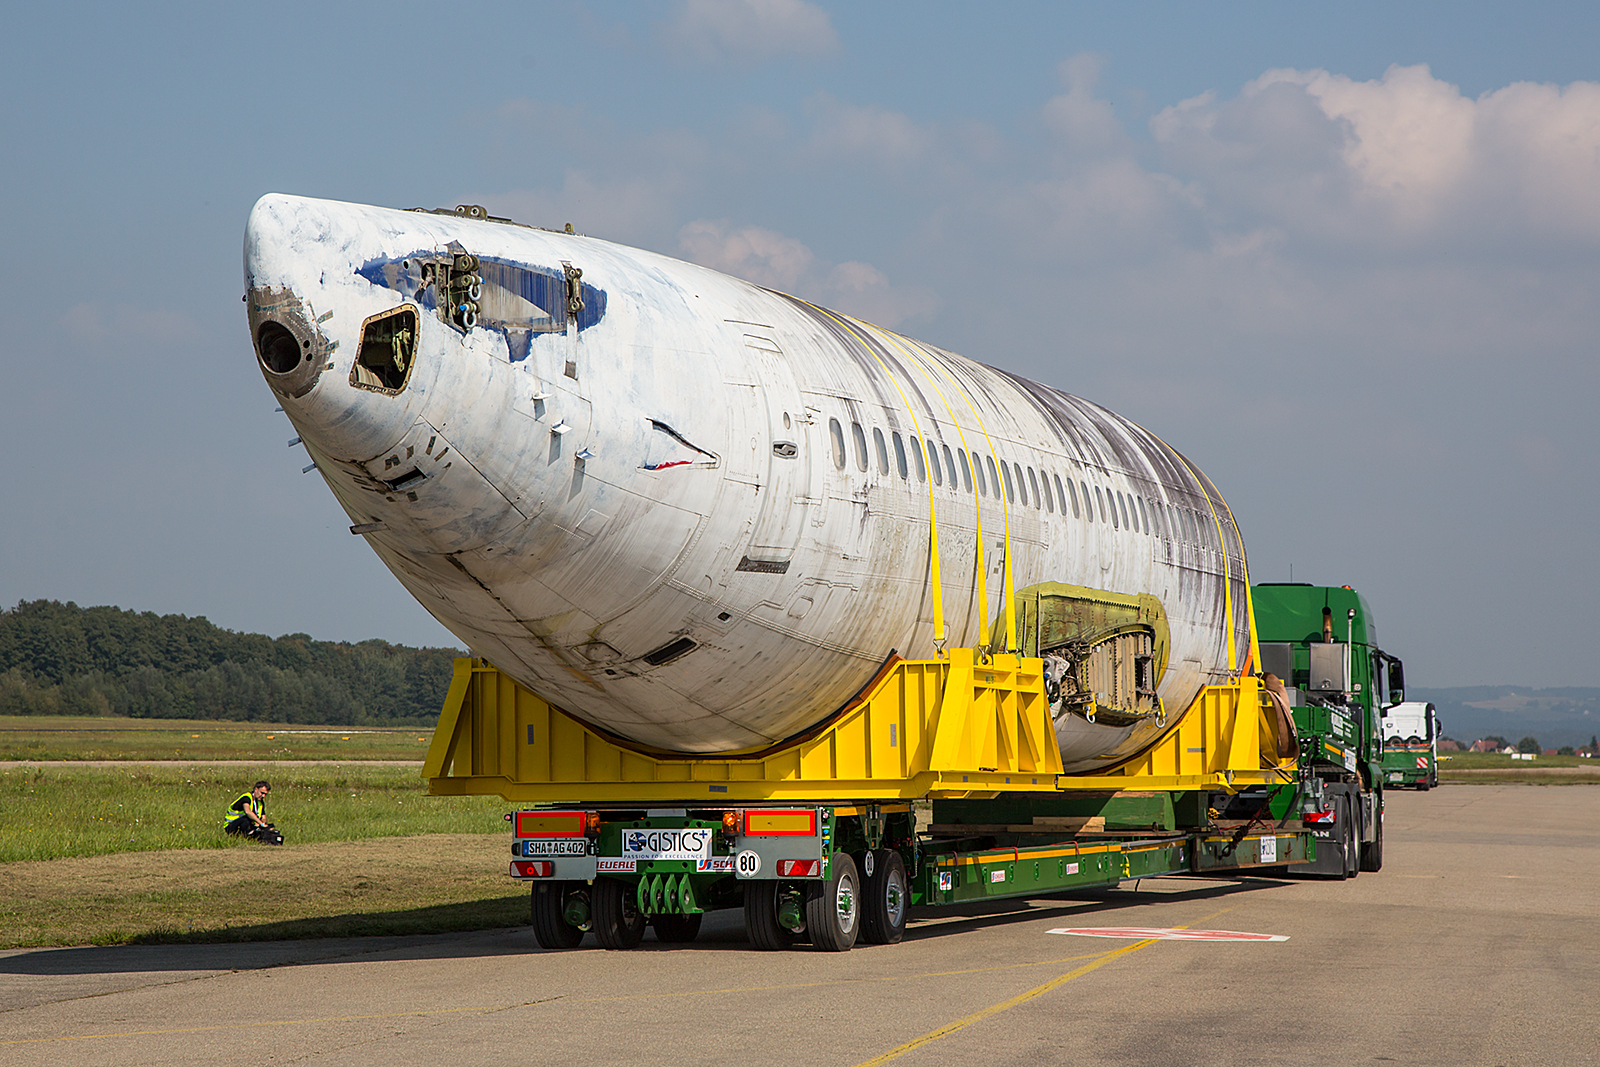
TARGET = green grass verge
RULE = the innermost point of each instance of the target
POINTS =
(64, 737)
(1475, 761)
(1494, 768)
(54, 811)
(405, 885)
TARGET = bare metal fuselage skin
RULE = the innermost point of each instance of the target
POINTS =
(623, 487)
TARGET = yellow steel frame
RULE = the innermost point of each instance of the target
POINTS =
(946, 728)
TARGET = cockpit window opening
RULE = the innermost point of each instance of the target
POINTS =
(1122, 502)
(994, 478)
(1101, 500)
(977, 472)
(966, 472)
(950, 465)
(1011, 492)
(916, 459)
(933, 464)
(836, 432)
(860, 439)
(899, 453)
(1022, 486)
(387, 352)
(1143, 514)
(1033, 482)
(1072, 492)
(881, 449)
(1049, 500)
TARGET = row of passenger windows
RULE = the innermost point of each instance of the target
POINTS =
(1120, 510)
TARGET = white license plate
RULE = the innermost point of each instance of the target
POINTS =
(568, 847)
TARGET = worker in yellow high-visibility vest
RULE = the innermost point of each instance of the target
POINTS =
(247, 816)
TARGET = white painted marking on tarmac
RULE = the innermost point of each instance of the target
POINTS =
(1163, 933)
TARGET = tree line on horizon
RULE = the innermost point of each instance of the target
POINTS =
(62, 659)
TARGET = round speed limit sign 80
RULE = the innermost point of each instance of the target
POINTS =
(747, 863)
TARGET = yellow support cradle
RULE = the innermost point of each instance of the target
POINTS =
(945, 728)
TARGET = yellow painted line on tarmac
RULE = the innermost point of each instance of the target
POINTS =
(548, 1000)
(1021, 998)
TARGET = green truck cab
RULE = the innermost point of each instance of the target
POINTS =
(1321, 643)
(1411, 746)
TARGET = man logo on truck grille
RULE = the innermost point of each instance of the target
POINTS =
(692, 844)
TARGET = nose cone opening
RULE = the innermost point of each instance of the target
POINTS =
(289, 347)
(280, 352)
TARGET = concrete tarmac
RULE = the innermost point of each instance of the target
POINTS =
(1478, 943)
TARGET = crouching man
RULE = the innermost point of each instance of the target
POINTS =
(247, 816)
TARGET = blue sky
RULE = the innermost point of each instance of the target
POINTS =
(1345, 259)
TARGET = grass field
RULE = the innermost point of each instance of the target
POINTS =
(58, 810)
(398, 885)
(1485, 768)
(62, 737)
(130, 853)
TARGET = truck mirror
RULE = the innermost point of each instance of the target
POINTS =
(1397, 682)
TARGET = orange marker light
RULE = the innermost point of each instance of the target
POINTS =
(730, 822)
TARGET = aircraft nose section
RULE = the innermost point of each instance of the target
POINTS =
(290, 348)
(306, 312)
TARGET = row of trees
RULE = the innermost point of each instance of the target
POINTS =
(1530, 744)
(61, 659)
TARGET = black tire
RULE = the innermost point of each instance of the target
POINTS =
(618, 922)
(833, 906)
(1372, 855)
(885, 899)
(761, 918)
(676, 929)
(550, 926)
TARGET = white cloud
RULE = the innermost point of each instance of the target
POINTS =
(748, 252)
(783, 263)
(867, 133)
(1404, 160)
(1081, 119)
(744, 32)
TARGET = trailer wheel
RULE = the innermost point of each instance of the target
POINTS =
(833, 906)
(761, 918)
(676, 929)
(550, 926)
(618, 922)
(1372, 855)
(885, 900)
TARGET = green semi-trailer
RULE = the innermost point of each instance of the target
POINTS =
(1319, 649)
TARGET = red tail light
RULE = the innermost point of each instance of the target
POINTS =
(799, 868)
(1320, 818)
(532, 868)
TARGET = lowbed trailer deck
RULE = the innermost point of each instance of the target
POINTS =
(818, 838)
